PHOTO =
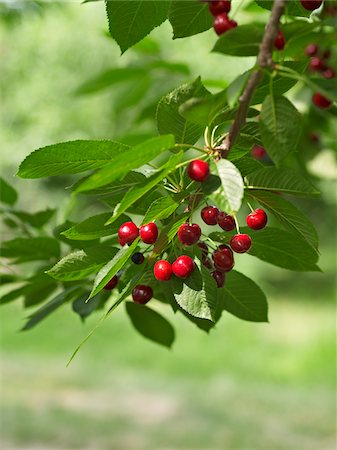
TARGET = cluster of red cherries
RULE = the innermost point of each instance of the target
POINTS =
(189, 234)
(220, 10)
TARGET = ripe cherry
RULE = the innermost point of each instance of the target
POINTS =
(258, 152)
(241, 243)
(137, 258)
(198, 170)
(310, 5)
(257, 219)
(111, 284)
(225, 221)
(127, 233)
(207, 262)
(183, 266)
(149, 233)
(329, 73)
(162, 270)
(219, 277)
(204, 248)
(218, 7)
(317, 63)
(223, 23)
(142, 293)
(320, 101)
(223, 259)
(311, 50)
(189, 234)
(209, 215)
(280, 41)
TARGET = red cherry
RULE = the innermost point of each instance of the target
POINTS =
(198, 170)
(127, 233)
(313, 137)
(258, 152)
(207, 262)
(149, 233)
(241, 243)
(280, 41)
(162, 270)
(223, 259)
(223, 23)
(121, 242)
(209, 215)
(204, 248)
(219, 277)
(317, 63)
(137, 258)
(311, 50)
(257, 219)
(320, 101)
(183, 266)
(111, 284)
(189, 234)
(310, 5)
(142, 293)
(329, 73)
(218, 7)
(226, 222)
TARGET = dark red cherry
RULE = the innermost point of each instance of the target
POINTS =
(310, 5)
(320, 101)
(223, 259)
(149, 233)
(209, 215)
(241, 243)
(183, 266)
(329, 73)
(198, 170)
(316, 63)
(127, 233)
(258, 152)
(280, 41)
(137, 258)
(189, 234)
(223, 23)
(203, 247)
(207, 262)
(226, 222)
(111, 284)
(218, 7)
(219, 277)
(162, 270)
(311, 50)
(257, 219)
(142, 294)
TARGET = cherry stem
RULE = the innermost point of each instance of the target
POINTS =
(250, 207)
(191, 146)
(184, 163)
(237, 225)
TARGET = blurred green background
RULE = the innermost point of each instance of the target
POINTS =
(244, 386)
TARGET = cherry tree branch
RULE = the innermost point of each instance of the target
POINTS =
(264, 59)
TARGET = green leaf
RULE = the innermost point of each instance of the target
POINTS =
(280, 180)
(30, 249)
(114, 189)
(35, 291)
(83, 308)
(169, 119)
(36, 220)
(281, 127)
(49, 307)
(282, 249)
(111, 268)
(130, 22)
(243, 298)
(232, 185)
(288, 215)
(161, 209)
(248, 165)
(70, 157)
(110, 77)
(150, 324)
(197, 295)
(240, 41)
(7, 193)
(189, 18)
(80, 264)
(204, 109)
(138, 192)
(123, 162)
(235, 89)
(94, 227)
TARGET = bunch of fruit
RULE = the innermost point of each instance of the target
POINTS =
(189, 234)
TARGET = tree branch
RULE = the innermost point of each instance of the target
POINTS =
(264, 59)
